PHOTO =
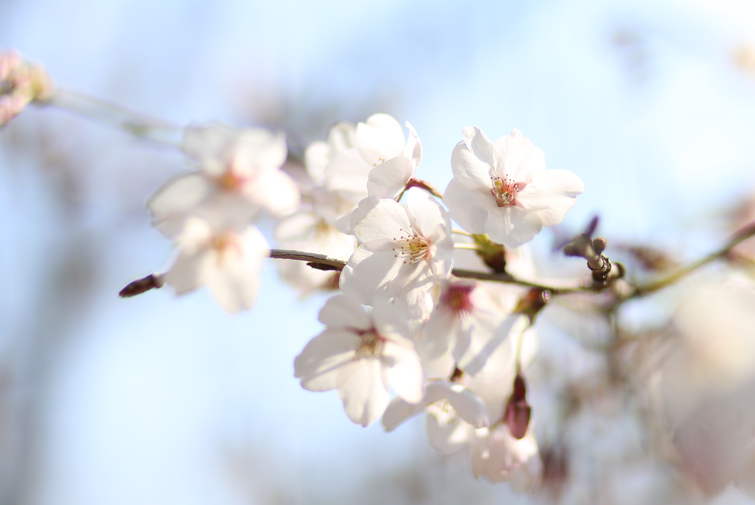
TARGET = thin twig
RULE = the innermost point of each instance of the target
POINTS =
(136, 124)
(740, 236)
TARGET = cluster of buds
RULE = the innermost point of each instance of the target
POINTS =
(20, 84)
(603, 271)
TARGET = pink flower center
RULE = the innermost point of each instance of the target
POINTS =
(505, 191)
(371, 345)
(457, 298)
(224, 243)
(230, 181)
(411, 246)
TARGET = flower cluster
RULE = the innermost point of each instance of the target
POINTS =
(209, 213)
(20, 84)
(403, 324)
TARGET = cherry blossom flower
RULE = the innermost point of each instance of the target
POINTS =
(228, 262)
(239, 175)
(363, 355)
(382, 161)
(402, 248)
(498, 457)
(478, 332)
(341, 137)
(314, 231)
(503, 189)
(452, 414)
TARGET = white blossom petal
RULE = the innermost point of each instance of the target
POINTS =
(383, 134)
(362, 391)
(342, 311)
(398, 411)
(320, 362)
(480, 145)
(512, 226)
(469, 205)
(413, 149)
(517, 158)
(388, 179)
(551, 193)
(180, 195)
(469, 169)
(403, 371)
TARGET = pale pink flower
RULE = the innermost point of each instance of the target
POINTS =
(401, 247)
(499, 457)
(341, 137)
(239, 174)
(452, 414)
(503, 189)
(477, 330)
(380, 164)
(313, 231)
(363, 355)
(228, 262)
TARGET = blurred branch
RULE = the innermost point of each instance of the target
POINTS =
(138, 125)
(740, 236)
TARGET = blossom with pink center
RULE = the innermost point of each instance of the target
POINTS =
(228, 262)
(475, 332)
(239, 174)
(452, 414)
(363, 355)
(503, 189)
(402, 248)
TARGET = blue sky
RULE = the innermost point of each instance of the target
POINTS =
(641, 99)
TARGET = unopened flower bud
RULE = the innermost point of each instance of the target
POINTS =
(518, 411)
(494, 255)
(599, 245)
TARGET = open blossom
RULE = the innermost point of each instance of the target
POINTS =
(452, 414)
(363, 355)
(401, 247)
(382, 161)
(239, 174)
(476, 332)
(228, 262)
(503, 189)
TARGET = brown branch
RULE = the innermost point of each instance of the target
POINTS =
(323, 262)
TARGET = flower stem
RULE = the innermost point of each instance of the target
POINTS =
(471, 247)
(461, 232)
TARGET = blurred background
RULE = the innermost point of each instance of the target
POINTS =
(158, 400)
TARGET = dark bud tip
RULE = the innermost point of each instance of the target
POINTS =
(599, 245)
(140, 286)
(517, 418)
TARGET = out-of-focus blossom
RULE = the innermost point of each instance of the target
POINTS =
(453, 413)
(477, 330)
(503, 189)
(239, 175)
(341, 137)
(401, 247)
(313, 231)
(382, 161)
(363, 355)
(499, 457)
(20, 84)
(228, 262)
